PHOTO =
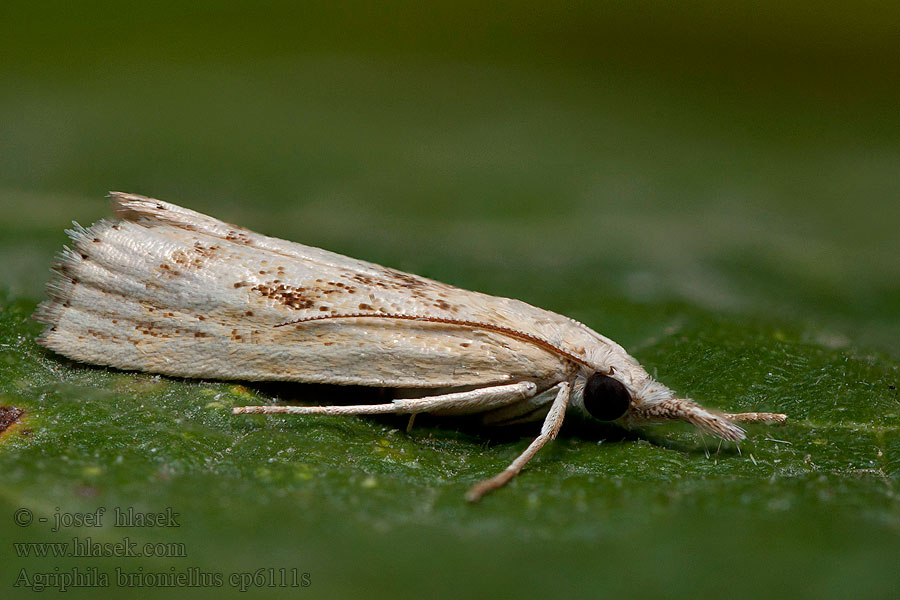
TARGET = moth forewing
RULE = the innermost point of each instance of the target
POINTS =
(168, 290)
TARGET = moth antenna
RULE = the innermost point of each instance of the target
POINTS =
(756, 417)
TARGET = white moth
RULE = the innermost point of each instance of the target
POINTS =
(168, 290)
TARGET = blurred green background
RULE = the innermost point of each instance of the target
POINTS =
(715, 187)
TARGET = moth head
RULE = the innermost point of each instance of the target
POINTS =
(641, 400)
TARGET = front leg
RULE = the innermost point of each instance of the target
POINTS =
(548, 432)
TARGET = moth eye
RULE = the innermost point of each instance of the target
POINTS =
(605, 398)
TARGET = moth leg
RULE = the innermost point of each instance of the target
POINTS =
(530, 409)
(456, 403)
(548, 432)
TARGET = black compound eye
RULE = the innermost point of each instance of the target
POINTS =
(605, 398)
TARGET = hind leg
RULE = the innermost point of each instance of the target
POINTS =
(456, 403)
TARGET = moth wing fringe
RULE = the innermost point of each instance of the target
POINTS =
(59, 287)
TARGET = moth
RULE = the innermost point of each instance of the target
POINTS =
(167, 290)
